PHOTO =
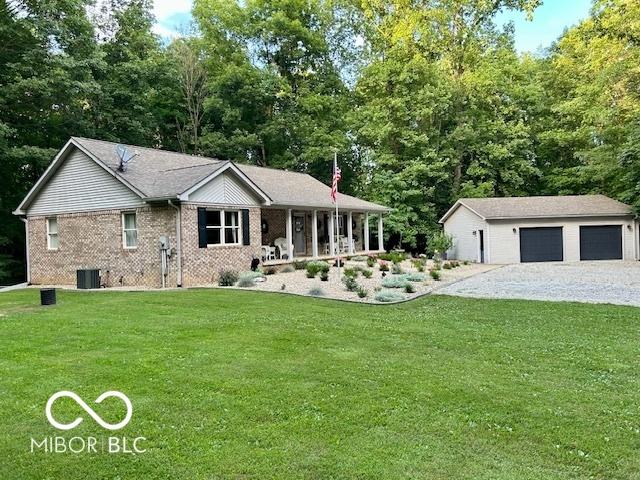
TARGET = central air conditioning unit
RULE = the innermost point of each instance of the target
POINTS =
(88, 278)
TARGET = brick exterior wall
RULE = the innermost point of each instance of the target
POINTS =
(201, 266)
(94, 240)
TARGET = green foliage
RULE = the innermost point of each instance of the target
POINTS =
(409, 288)
(440, 242)
(270, 271)
(350, 283)
(359, 258)
(315, 267)
(300, 264)
(388, 296)
(324, 276)
(395, 257)
(447, 266)
(384, 266)
(371, 261)
(367, 273)
(435, 274)
(416, 277)
(247, 279)
(362, 292)
(351, 272)
(227, 278)
(395, 281)
(396, 269)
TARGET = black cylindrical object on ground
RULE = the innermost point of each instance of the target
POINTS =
(47, 296)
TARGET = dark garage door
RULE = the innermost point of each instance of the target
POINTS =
(603, 242)
(542, 244)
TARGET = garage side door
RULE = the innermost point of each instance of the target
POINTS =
(602, 242)
(542, 244)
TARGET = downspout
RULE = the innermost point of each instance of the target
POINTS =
(26, 249)
(178, 244)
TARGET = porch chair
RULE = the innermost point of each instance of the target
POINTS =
(281, 245)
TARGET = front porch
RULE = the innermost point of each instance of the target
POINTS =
(290, 234)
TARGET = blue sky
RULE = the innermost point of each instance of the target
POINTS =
(549, 20)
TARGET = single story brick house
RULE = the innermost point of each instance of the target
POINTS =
(155, 218)
(542, 229)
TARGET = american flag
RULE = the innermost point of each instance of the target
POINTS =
(337, 175)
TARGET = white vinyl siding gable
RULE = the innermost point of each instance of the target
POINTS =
(225, 189)
(79, 185)
(461, 225)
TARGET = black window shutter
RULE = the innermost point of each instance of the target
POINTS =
(246, 240)
(202, 227)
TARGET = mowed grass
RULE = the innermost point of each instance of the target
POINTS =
(231, 384)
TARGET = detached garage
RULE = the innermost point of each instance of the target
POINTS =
(542, 229)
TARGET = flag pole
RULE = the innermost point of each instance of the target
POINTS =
(337, 237)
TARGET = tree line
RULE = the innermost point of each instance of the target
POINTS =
(425, 101)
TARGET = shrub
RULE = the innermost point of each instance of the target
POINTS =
(350, 283)
(314, 267)
(396, 269)
(371, 261)
(384, 266)
(398, 281)
(247, 280)
(435, 274)
(447, 266)
(440, 242)
(367, 273)
(283, 287)
(324, 276)
(409, 288)
(386, 296)
(362, 292)
(287, 269)
(466, 262)
(359, 258)
(436, 266)
(270, 271)
(316, 292)
(351, 272)
(455, 263)
(300, 264)
(227, 278)
(395, 257)
(416, 277)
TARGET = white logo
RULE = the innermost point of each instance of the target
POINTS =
(89, 410)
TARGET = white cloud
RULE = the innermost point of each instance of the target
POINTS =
(163, 9)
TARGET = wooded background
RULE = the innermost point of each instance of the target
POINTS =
(425, 100)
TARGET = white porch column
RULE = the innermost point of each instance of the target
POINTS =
(332, 234)
(366, 231)
(289, 234)
(314, 234)
(380, 233)
(350, 233)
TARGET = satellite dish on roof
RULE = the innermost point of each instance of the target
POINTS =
(125, 156)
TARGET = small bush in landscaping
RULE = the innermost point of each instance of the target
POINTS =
(387, 296)
(283, 287)
(287, 269)
(435, 274)
(359, 258)
(408, 288)
(395, 257)
(399, 281)
(316, 292)
(350, 283)
(466, 262)
(371, 261)
(416, 277)
(396, 269)
(247, 279)
(436, 266)
(362, 292)
(324, 276)
(300, 264)
(384, 266)
(310, 274)
(351, 272)
(227, 278)
(316, 266)
(447, 266)
(367, 273)
(270, 271)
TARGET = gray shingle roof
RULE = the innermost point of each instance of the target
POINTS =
(164, 174)
(545, 206)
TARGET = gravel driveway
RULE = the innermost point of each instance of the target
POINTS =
(590, 282)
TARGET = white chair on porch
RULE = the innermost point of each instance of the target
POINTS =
(281, 245)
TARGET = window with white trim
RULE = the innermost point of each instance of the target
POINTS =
(52, 233)
(223, 227)
(129, 230)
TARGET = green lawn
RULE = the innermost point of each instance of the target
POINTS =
(228, 384)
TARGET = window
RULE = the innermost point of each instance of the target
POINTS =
(129, 230)
(52, 233)
(223, 227)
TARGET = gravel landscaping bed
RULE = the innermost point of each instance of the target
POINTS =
(296, 282)
(613, 282)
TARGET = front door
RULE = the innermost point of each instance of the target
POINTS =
(299, 239)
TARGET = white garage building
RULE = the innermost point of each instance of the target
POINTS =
(541, 229)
